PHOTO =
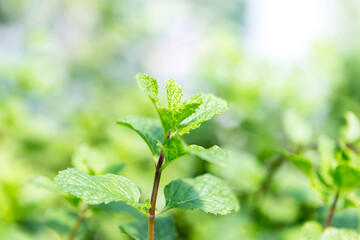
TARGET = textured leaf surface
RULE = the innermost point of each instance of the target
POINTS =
(206, 193)
(174, 94)
(168, 119)
(210, 107)
(339, 234)
(164, 229)
(148, 128)
(312, 231)
(97, 189)
(173, 149)
(215, 154)
(149, 85)
(346, 177)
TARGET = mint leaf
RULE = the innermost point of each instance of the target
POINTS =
(339, 234)
(326, 147)
(164, 229)
(97, 189)
(148, 128)
(89, 160)
(44, 183)
(209, 107)
(149, 85)
(312, 231)
(215, 154)
(346, 177)
(168, 120)
(173, 149)
(174, 94)
(206, 193)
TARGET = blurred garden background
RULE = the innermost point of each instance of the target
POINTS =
(289, 70)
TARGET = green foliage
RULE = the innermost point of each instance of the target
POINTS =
(149, 129)
(346, 177)
(209, 107)
(351, 132)
(149, 86)
(97, 189)
(173, 149)
(206, 193)
(174, 94)
(215, 154)
(139, 229)
(314, 231)
(302, 163)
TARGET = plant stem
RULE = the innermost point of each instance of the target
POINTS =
(78, 222)
(272, 169)
(155, 189)
(151, 228)
(332, 211)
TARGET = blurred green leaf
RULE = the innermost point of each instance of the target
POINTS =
(206, 193)
(312, 231)
(97, 189)
(215, 154)
(339, 234)
(164, 229)
(88, 159)
(326, 148)
(148, 128)
(302, 163)
(346, 177)
(348, 218)
(351, 132)
(44, 183)
(297, 129)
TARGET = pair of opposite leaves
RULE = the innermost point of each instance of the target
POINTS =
(206, 192)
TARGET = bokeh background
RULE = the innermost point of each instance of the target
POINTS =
(289, 70)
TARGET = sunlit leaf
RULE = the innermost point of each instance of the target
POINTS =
(209, 107)
(174, 94)
(215, 154)
(149, 85)
(351, 132)
(148, 128)
(339, 234)
(312, 231)
(97, 189)
(346, 177)
(206, 193)
(173, 149)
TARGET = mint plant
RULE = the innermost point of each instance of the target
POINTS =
(336, 175)
(207, 193)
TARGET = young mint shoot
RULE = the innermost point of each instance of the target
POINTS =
(163, 136)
